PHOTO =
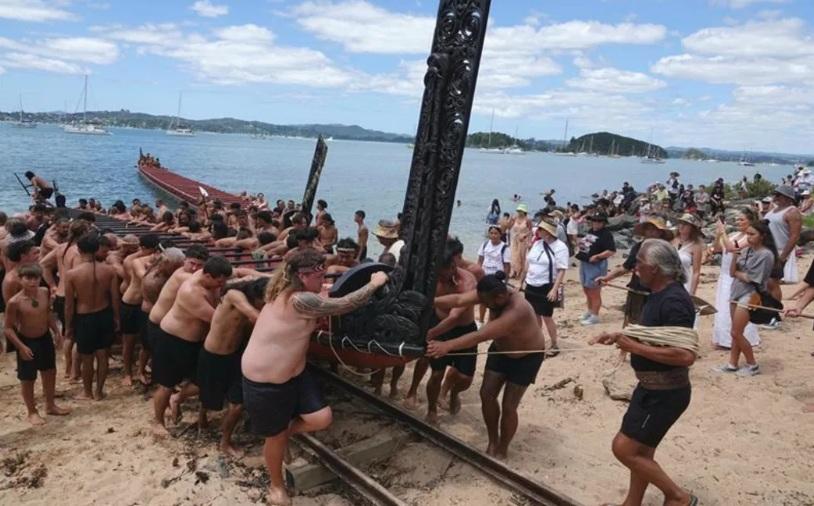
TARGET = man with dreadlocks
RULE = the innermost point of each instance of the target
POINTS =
(280, 396)
(92, 304)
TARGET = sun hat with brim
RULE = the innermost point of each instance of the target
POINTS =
(657, 222)
(523, 208)
(548, 227)
(691, 219)
(386, 230)
(786, 191)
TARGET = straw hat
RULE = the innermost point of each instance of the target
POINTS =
(659, 223)
(523, 208)
(691, 219)
(786, 191)
(548, 227)
(386, 229)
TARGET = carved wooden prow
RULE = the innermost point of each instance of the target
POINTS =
(317, 162)
(398, 318)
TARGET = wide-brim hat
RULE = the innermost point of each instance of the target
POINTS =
(657, 222)
(786, 191)
(691, 219)
(523, 208)
(386, 230)
(548, 227)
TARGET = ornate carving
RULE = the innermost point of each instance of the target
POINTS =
(401, 314)
(320, 153)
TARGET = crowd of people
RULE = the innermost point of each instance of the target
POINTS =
(193, 325)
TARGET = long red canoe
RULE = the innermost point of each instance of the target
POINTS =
(182, 187)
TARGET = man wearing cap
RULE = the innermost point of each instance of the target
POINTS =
(387, 233)
(654, 228)
(594, 250)
(785, 223)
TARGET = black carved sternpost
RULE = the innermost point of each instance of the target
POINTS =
(397, 320)
(317, 163)
(445, 110)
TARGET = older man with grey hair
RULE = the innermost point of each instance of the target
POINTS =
(664, 390)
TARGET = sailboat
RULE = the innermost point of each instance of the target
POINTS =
(565, 143)
(175, 128)
(23, 122)
(744, 162)
(650, 157)
(489, 148)
(85, 128)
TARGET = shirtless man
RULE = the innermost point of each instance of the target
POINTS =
(17, 254)
(62, 260)
(55, 235)
(196, 256)
(456, 246)
(183, 330)
(170, 260)
(135, 265)
(92, 313)
(362, 234)
(280, 396)
(451, 324)
(513, 328)
(346, 255)
(28, 313)
(219, 373)
(42, 188)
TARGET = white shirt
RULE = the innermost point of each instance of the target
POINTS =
(572, 228)
(395, 249)
(538, 262)
(494, 256)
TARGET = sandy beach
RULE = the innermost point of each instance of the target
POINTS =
(743, 441)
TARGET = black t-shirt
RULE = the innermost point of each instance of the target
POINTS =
(630, 264)
(595, 242)
(809, 279)
(671, 307)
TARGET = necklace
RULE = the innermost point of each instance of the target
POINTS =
(34, 302)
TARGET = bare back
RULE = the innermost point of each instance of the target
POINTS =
(464, 282)
(91, 284)
(167, 295)
(138, 268)
(232, 318)
(192, 311)
(521, 329)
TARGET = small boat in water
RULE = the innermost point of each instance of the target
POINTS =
(85, 127)
(24, 122)
(175, 129)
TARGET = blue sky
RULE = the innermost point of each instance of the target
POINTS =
(733, 74)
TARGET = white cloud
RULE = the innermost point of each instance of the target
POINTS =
(162, 34)
(207, 9)
(33, 10)
(784, 37)
(612, 80)
(740, 4)
(61, 55)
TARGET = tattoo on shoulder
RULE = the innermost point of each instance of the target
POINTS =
(313, 305)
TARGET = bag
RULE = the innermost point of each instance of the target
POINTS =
(561, 290)
(763, 316)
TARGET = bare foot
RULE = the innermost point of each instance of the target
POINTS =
(99, 395)
(394, 393)
(454, 403)
(501, 453)
(683, 501)
(84, 396)
(431, 418)
(411, 402)
(127, 381)
(35, 419)
(159, 430)
(443, 402)
(278, 496)
(378, 390)
(75, 380)
(142, 378)
(490, 450)
(175, 409)
(57, 411)
(230, 451)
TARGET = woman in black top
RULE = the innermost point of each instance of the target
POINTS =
(663, 392)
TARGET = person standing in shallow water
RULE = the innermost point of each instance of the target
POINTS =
(520, 237)
(279, 394)
(663, 392)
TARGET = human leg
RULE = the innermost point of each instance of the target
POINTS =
(102, 364)
(551, 328)
(273, 453)
(161, 399)
(87, 375)
(419, 370)
(27, 387)
(639, 459)
(395, 375)
(312, 422)
(128, 347)
(457, 382)
(230, 419)
(740, 318)
(433, 389)
(508, 417)
(489, 390)
(49, 379)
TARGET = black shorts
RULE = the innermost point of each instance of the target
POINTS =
(132, 318)
(777, 271)
(520, 371)
(538, 298)
(174, 359)
(148, 332)
(94, 331)
(59, 309)
(219, 377)
(651, 413)
(44, 357)
(46, 192)
(464, 364)
(271, 407)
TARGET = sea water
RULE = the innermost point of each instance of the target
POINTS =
(357, 175)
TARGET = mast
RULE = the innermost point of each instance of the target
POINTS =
(565, 136)
(21, 107)
(178, 114)
(491, 125)
(85, 101)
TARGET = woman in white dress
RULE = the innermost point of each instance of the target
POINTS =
(722, 326)
(690, 247)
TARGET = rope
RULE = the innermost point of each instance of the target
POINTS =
(342, 364)
(561, 350)
(677, 337)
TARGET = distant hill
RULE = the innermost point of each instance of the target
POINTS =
(735, 156)
(694, 154)
(125, 118)
(502, 140)
(601, 143)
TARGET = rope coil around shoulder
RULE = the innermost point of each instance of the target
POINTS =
(677, 337)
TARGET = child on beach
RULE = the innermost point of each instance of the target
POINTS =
(32, 327)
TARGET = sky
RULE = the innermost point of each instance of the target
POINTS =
(730, 74)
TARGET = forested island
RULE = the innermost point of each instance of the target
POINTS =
(608, 144)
